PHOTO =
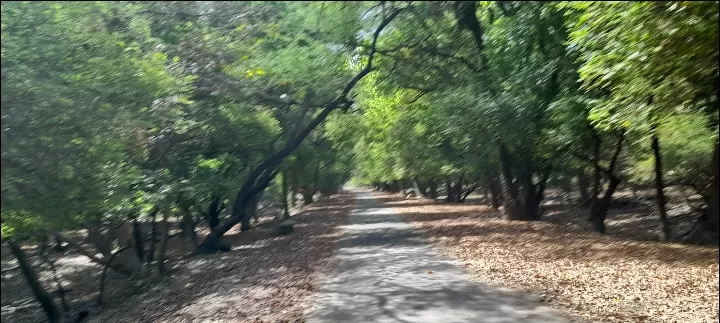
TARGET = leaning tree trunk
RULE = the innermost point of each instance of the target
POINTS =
(664, 226)
(52, 311)
(258, 179)
(250, 213)
(713, 209)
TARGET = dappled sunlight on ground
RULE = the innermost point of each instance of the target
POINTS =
(599, 278)
(265, 278)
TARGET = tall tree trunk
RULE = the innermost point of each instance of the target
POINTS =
(432, 189)
(458, 190)
(495, 191)
(597, 172)
(664, 234)
(163, 242)
(139, 240)
(188, 227)
(153, 234)
(713, 209)
(213, 215)
(51, 309)
(599, 213)
(307, 195)
(286, 212)
(583, 187)
(512, 206)
(401, 189)
(448, 190)
(416, 187)
(599, 208)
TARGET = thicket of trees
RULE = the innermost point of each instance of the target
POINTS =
(124, 113)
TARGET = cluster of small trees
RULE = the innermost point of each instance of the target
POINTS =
(511, 97)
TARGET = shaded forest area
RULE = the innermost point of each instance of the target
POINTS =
(140, 137)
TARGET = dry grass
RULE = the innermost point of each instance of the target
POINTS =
(265, 278)
(587, 275)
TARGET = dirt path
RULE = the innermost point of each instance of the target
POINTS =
(387, 273)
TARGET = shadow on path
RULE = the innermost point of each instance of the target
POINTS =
(388, 273)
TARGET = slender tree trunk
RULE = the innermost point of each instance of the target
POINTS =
(597, 174)
(713, 209)
(448, 190)
(139, 240)
(286, 212)
(163, 242)
(153, 234)
(659, 187)
(495, 191)
(416, 187)
(213, 215)
(432, 189)
(52, 311)
(583, 187)
(599, 208)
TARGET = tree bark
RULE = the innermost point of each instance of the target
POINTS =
(432, 189)
(286, 212)
(416, 187)
(495, 191)
(307, 195)
(153, 234)
(512, 206)
(599, 208)
(664, 225)
(213, 215)
(583, 187)
(52, 311)
(250, 213)
(163, 242)
(713, 209)
(139, 239)
(448, 190)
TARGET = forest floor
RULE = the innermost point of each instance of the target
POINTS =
(623, 276)
(265, 278)
(619, 277)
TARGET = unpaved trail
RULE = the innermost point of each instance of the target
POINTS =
(387, 273)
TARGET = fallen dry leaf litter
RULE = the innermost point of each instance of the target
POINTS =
(590, 276)
(265, 278)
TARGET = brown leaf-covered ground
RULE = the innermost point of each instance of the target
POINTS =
(611, 278)
(265, 278)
